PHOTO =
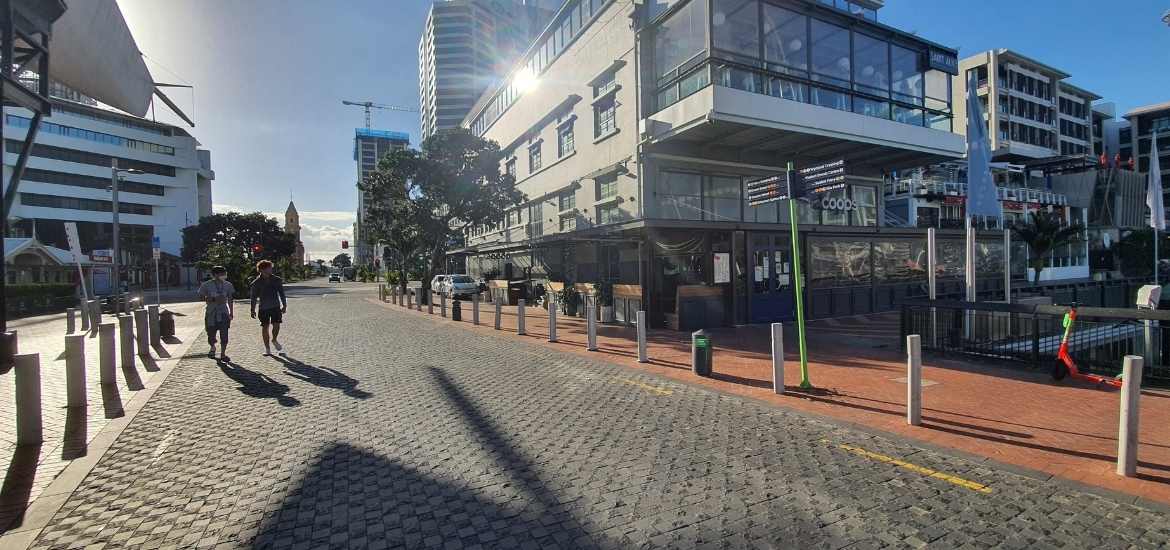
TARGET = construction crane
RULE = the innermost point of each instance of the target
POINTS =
(371, 105)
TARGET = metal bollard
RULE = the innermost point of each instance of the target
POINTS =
(29, 425)
(75, 370)
(126, 340)
(443, 305)
(914, 380)
(106, 353)
(1127, 427)
(497, 302)
(155, 337)
(591, 324)
(778, 358)
(70, 320)
(456, 310)
(552, 318)
(141, 332)
(520, 317)
(430, 302)
(475, 308)
(643, 356)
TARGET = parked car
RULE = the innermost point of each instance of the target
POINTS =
(335, 277)
(115, 303)
(460, 286)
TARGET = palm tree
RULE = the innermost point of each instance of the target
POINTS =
(1044, 232)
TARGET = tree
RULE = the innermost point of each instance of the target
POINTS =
(254, 235)
(341, 261)
(1136, 251)
(1045, 232)
(320, 266)
(422, 201)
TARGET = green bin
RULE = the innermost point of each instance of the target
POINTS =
(701, 353)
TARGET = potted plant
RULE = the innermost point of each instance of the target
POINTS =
(604, 293)
(569, 300)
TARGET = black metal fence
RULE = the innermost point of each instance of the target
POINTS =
(1030, 335)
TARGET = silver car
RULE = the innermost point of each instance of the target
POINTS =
(455, 286)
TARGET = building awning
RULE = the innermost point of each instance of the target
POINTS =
(94, 53)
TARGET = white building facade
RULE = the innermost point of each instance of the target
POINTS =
(67, 178)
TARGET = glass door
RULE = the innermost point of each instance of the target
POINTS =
(771, 296)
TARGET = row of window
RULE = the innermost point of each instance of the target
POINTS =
(1026, 133)
(605, 187)
(1074, 108)
(574, 19)
(1023, 83)
(93, 159)
(73, 203)
(91, 182)
(693, 196)
(90, 135)
(115, 120)
(1023, 108)
(1073, 129)
(1067, 148)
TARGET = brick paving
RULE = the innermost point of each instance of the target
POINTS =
(1019, 417)
(67, 431)
(383, 428)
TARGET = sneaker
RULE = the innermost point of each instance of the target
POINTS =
(277, 345)
(267, 352)
(211, 354)
(224, 358)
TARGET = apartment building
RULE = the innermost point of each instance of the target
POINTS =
(369, 146)
(68, 177)
(1032, 111)
(647, 188)
(1143, 123)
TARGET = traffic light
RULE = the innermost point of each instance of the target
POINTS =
(257, 249)
(344, 245)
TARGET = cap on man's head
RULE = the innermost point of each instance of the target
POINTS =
(218, 270)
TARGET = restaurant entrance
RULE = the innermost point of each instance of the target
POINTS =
(771, 292)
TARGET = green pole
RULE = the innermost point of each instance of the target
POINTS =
(798, 287)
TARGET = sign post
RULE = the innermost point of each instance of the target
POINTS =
(156, 251)
(75, 248)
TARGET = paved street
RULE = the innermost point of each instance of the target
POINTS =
(384, 428)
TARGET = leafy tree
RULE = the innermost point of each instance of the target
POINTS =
(320, 266)
(233, 260)
(1044, 232)
(422, 201)
(239, 232)
(1136, 251)
(341, 261)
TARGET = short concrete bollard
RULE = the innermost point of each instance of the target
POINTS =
(778, 358)
(431, 303)
(70, 320)
(591, 324)
(443, 305)
(75, 370)
(475, 308)
(152, 316)
(498, 313)
(95, 315)
(914, 380)
(83, 311)
(520, 317)
(142, 332)
(126, 340)
(1127, 428)
(29, 424)
(418, 299)
(552, 318)
(643, 356)
(409, 299)
(106, 353)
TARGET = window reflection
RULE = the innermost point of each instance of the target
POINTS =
(871, 68)
(680, 38)
(785, 37)
(830, 53)
(830, 98)
(735, 26)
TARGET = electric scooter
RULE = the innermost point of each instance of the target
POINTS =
(1066, 366)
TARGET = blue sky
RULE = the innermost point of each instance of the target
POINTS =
(269, 77)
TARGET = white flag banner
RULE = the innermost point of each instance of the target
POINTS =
(1154, 191)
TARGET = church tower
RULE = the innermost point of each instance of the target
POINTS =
(292, 226)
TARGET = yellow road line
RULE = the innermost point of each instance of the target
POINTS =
(647, 387)
(978, 487)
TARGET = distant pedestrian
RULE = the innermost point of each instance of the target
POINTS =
(217, 293)
(268, 289)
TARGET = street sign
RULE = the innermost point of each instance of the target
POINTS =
(74, 242)
(157, 253)
(823, 177)
(770, 189)
(155, 242)
(102, 255)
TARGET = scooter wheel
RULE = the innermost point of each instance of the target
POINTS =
(1059, 371)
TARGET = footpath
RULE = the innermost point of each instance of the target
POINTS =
(1059, 431)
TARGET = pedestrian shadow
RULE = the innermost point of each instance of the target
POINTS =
(17, 486)
(75, 443)
(258, 385)
(324, 377)
(112, 401)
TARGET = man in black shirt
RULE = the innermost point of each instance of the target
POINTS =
(268, 289)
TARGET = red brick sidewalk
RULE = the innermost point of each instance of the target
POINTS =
(1021, 418)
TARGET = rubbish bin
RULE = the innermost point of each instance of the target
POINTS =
(456, 311)
(701, 353)
(166, 323)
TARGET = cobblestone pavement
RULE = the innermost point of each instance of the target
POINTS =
(382, 428)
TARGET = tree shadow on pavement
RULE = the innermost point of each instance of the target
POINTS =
(259, 385)
(324, 377)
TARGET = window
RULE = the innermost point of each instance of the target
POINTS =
(534, 157)
(871, 65)
(830, 54)
(510, 167)
(785, 37)
(787, 89)
(721, 198)
(90, 135)
(567, 201)
(71, 203)
(605, 83)
(679, 196)
(740, 79)
(680, 39)
(865, 198)
(535, 219)
(869, 107)
(607, 187)
(607, 214)
(565, 138)
(568, 223)
(85, 157)
(905, 77)
(908, 116)
(78, 180)
(830, 98)
(604, 117)
(735, 26)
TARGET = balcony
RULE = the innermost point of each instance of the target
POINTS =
(936, 188)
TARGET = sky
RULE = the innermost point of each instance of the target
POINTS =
(269, 77)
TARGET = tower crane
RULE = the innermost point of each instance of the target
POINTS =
(371, 105)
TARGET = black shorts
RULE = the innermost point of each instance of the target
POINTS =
(271, 315)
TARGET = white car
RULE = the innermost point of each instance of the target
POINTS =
(455, 286)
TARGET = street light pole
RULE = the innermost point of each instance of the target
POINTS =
(117, 249)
